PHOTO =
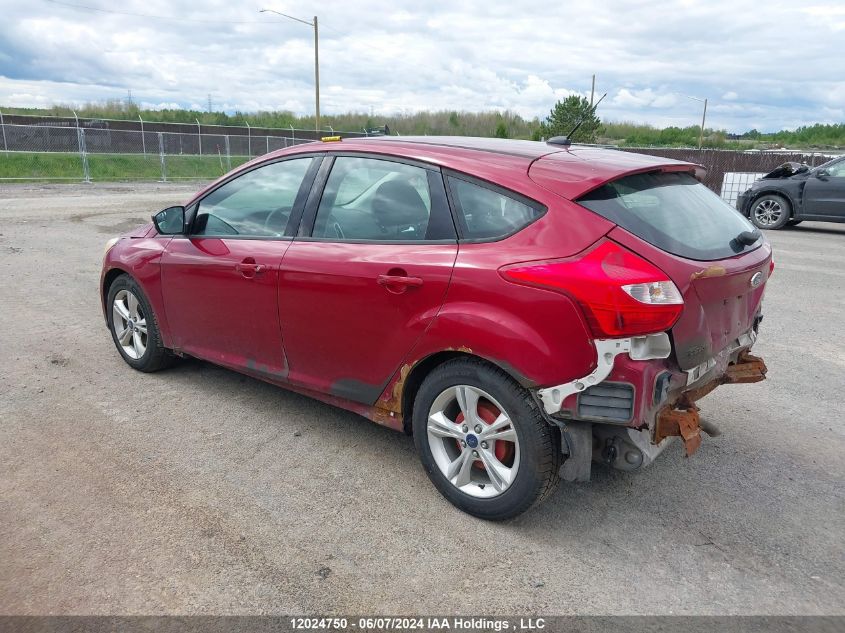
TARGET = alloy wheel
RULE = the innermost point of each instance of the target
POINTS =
(768, 212)
(129, 324)
(473, 441)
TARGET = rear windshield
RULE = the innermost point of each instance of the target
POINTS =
(674, 212)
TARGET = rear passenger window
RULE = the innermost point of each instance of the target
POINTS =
(371, 199)
(487, 214)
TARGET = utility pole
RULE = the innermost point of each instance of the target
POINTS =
(316, 75)
(316, 28)
(593, 91)
(703, 118)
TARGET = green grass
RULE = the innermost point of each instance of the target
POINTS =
(40, 166)
(200, 166)
(57, 167)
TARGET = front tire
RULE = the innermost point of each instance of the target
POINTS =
(483, 441)
(134, 327)
(770, 212)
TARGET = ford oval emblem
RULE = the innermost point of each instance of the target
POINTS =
(756, 279)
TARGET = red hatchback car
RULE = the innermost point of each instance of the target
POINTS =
(522, 308)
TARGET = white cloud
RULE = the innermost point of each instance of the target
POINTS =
(665, 101)
(647, 98)
(399, 55)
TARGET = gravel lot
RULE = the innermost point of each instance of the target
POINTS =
(198, 490)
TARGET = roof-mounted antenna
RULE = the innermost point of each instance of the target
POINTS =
(565, 140)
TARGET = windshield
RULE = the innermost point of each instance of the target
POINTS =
(674, 212)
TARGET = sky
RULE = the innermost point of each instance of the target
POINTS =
(764, 65)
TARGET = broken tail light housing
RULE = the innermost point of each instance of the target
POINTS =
(620, 293)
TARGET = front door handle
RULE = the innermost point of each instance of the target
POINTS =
(399, 283)
(249, 269)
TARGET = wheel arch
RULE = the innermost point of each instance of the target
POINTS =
(772, 191)
(417, 373)
(108, 279)
(149, 285)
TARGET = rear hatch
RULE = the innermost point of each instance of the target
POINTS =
(722, 299)
(711, 253)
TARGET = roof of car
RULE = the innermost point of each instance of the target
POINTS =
(569, 170)
(512, 147)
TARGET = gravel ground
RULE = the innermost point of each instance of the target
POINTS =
(198, 490)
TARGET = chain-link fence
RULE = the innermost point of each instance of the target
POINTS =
(61, 149)
(72, 149)
(736, 182)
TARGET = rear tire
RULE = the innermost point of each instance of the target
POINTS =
(770, 212)
(475, 422)
(134, 328)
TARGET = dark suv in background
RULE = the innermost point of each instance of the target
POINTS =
(793, 193)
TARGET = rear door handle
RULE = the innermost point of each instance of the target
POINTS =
(399, 280)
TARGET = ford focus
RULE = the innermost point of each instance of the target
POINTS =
(525, 310)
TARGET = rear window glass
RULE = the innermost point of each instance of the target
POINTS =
(674, 212)
(488, 214)
(372, 199)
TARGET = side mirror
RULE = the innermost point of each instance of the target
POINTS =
(170, 221)
(822, 174)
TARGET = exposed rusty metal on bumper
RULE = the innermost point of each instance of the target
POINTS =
(747, 368)
(679, 422)
(682, 419)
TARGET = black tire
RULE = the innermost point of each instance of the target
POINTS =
(537, 473)
(155, 356)
(794, 222)
(770, 212)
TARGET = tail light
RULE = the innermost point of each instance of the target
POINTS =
(621, 294)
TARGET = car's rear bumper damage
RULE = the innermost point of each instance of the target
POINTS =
(681, 418)
(627, 411)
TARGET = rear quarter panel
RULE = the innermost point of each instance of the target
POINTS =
(538, 336)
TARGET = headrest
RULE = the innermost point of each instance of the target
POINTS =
(398, 203)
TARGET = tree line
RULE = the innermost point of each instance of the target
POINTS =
(505, 124)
